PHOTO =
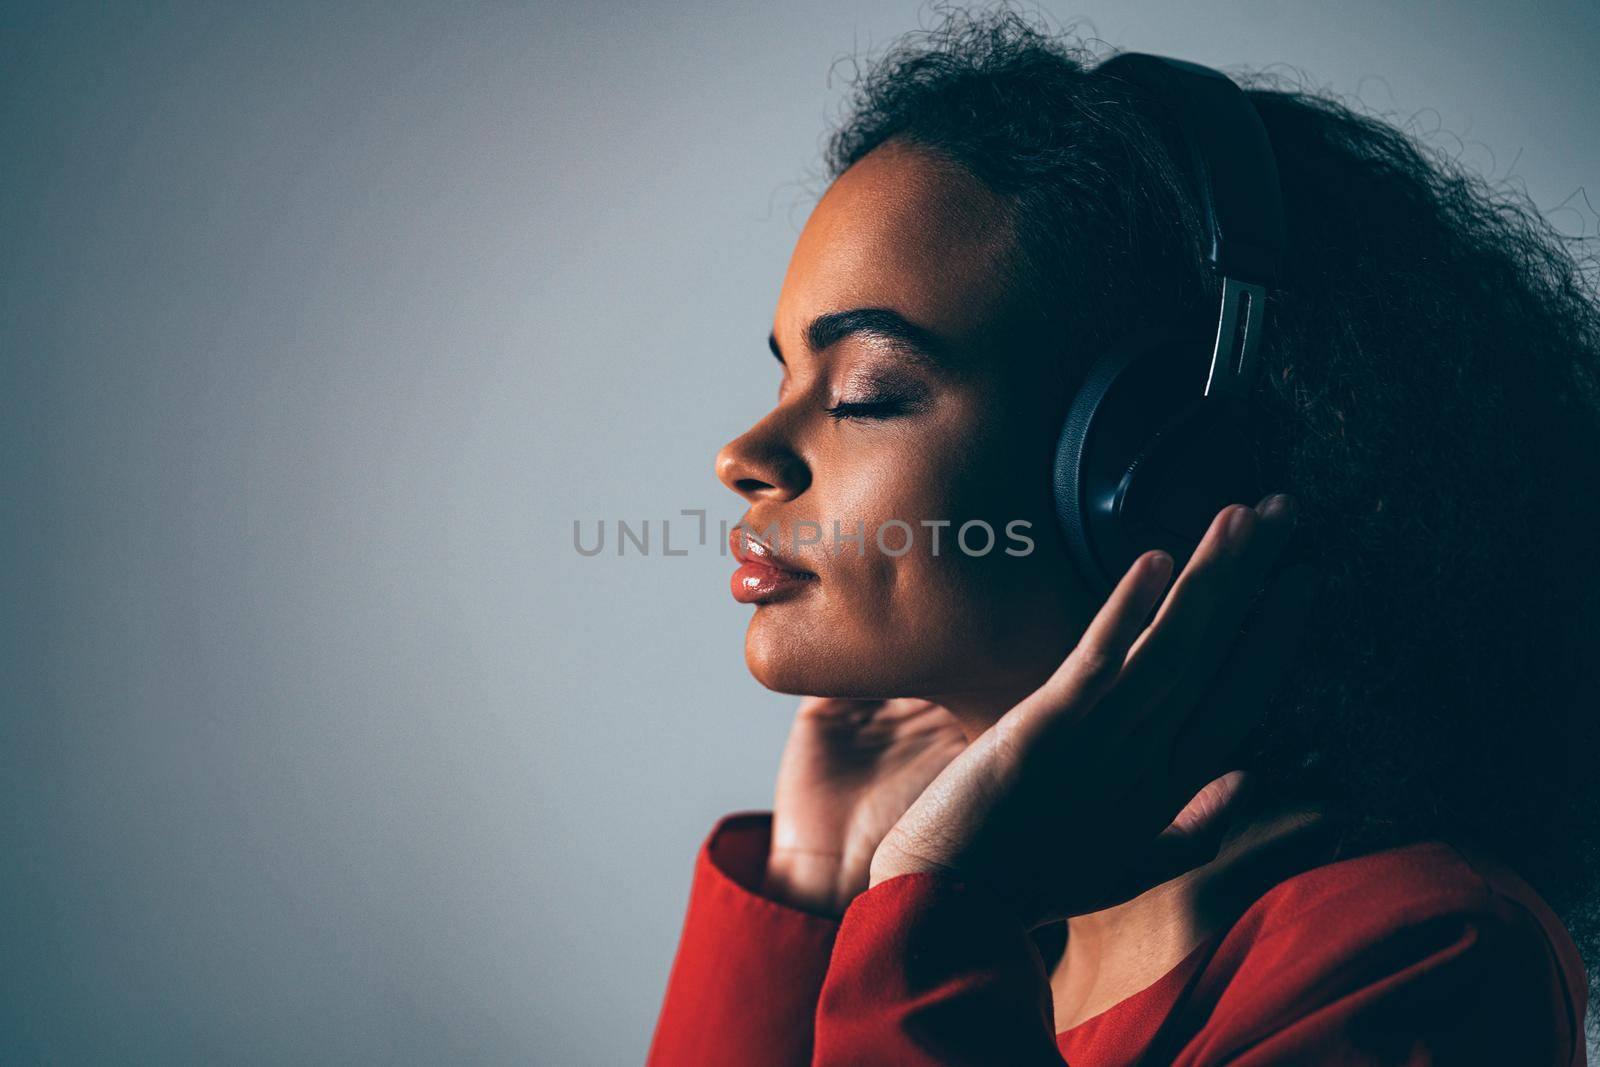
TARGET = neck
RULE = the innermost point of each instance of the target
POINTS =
(978, 709)
(1115, 953)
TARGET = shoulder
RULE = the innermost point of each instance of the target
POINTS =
(1433, 942)
(1366, 903)
(1376, 893)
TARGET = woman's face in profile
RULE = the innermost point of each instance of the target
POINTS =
(913, 402)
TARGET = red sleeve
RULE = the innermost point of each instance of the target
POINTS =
(1459, 986)
(743, 986)
(929, 970)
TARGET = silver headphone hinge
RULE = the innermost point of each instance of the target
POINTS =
(1233, 357)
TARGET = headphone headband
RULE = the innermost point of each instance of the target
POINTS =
(1146, 456)
(1234, 176)
(1230, 161)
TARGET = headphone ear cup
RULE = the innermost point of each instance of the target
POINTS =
(1090, 440)
(1198, 464)
(1144, 460)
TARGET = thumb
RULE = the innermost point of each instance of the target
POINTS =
(1195, 835)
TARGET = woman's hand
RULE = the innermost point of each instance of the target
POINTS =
(1061, 805)
(849, 770)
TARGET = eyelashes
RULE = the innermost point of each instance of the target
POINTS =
(882, 394)
(885, 404)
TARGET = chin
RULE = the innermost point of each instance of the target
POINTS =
(785, 662)
(808, 661)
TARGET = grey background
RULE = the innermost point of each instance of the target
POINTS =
(320, 325)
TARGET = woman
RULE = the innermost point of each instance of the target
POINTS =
(1019, 822)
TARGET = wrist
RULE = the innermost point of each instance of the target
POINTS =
(891, 862)
(813, 882)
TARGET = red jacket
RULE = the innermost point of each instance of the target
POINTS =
(1428, 953)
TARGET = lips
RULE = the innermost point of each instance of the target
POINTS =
(762, 576)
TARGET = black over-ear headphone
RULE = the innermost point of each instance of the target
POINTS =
(1155, 443)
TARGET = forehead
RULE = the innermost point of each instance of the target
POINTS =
(906, 230)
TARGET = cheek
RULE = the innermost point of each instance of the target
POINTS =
(911, 620)
(861, 630)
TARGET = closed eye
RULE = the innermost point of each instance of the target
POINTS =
(883, 406)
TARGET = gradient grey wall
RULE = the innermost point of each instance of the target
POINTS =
(320, 326)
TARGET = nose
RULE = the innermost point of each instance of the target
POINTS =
(759, 465)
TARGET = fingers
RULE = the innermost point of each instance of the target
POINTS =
(1200, 617)
(1095, 662)
(1193, 838)
(832, 710)
(1129, 669)
(1105, 644)
(1246, 680)
(1204, 811)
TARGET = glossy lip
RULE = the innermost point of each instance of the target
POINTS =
(761, 576)
(751, 549)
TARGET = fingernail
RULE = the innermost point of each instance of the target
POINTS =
(1159, 568)
(1278, 507)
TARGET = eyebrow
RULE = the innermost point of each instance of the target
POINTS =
(881, 323)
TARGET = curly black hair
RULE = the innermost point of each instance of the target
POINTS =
(1429, 393)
